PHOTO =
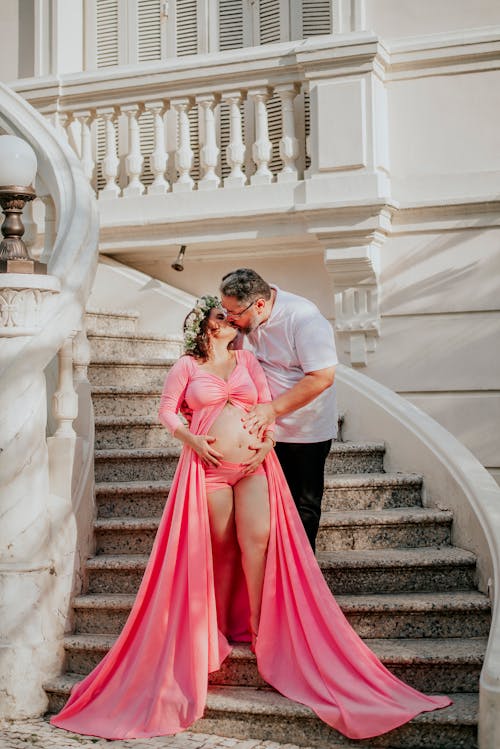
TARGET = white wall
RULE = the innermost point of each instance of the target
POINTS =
(9, 48)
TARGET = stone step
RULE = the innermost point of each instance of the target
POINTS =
(457, 614)
(149, 373)
(339, 531)
(131, 432)
(346, 572)
(398, 570)
(231, 710)
(426, 664)
(384, 529)
(150, 464)
(116, 346)
(107, 321)
(373, 491)
(110, 401)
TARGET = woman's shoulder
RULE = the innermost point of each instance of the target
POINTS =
(184, 363)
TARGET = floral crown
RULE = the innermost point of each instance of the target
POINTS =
(195, 318)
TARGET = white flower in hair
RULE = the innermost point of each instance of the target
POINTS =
(195, 318)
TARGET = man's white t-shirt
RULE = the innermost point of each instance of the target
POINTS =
(297, 339)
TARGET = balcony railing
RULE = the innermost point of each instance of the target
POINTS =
(218, 122)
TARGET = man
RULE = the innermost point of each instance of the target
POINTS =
(296, 348)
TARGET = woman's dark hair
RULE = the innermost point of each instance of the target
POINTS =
(200, 348)
(245, 285)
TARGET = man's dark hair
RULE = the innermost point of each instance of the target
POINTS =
(245, 285)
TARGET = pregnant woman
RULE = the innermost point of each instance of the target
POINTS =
(231, 562)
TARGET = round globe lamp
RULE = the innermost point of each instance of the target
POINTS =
(17, 173)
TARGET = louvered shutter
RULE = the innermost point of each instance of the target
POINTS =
(149, 30)
(275, 131)
(269, 21)
(230, 20)
(316, 18)
(194, 131)
(186, 27)
(107, 33)
(147, 138)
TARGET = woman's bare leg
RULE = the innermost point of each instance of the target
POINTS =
(253, 517)
(224, 549)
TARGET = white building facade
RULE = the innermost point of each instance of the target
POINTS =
(347, 150)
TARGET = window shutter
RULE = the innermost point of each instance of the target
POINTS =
(269, 21)
(186, 27)
(108, 45)
(316, 17)
(230, 24)
(149, 31)
(147, 138)
(275, 131)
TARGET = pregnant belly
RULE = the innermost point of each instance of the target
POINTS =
(230, 438)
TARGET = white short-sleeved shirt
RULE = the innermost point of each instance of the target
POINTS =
(297, 339)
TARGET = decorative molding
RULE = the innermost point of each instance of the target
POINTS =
(354, 271)
(25, 303)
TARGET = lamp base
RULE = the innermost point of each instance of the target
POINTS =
(22, 265)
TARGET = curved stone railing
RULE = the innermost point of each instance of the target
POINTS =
(43, 479)
(455, 480)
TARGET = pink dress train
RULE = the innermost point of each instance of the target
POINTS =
(154, 679)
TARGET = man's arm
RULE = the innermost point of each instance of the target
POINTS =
(302, 393)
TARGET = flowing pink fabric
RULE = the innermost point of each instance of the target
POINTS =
(154, 679)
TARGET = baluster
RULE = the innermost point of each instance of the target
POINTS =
(65, 400)
(60, 120)
(235, 151)
(184, 155)
(159, 158)
(49, 238)
(262, 149)
(110, 162)
(289, 145)
(85, 120)
(81, 356)
(134, 160)
(209, 154)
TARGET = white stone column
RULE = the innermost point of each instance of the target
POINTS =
(235, 151)
(184, 154)
(262, 149)
(159, 158)
(49, 236)
(289, 145)
(110, 162)
(134, 160)
(27, 574)
(85, 120)
(209, 154)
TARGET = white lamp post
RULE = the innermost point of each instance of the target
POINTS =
(17, 173)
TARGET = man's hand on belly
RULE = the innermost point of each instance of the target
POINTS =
(259, 418)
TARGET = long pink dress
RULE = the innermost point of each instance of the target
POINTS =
(154, 679)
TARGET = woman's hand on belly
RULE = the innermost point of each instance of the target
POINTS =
(261, 449)
(232, 439)
(202, 445)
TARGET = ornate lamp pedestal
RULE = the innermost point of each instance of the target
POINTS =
(14, 256)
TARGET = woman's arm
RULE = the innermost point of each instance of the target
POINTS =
(172, 398)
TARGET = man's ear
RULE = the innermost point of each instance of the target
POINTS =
(260, 304)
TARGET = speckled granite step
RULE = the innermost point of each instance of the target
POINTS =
(346, 572)
(455, 614)
(131, 432)
(110, 400)
(107, 321)
(426, 664)
(371, 491)
(339, 531)
(230, 711)
(117, 345)
(146, 372)
(384, 529)
(153, 464)
(398, 570)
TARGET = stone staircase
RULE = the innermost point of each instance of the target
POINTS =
(389, 561)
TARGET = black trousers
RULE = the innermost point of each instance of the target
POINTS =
(304, 469)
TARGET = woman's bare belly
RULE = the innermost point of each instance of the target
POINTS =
(231, 439)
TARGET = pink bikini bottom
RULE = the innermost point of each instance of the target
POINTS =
(227, 475)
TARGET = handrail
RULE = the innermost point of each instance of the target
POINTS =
(74, 256)
(454, 479)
